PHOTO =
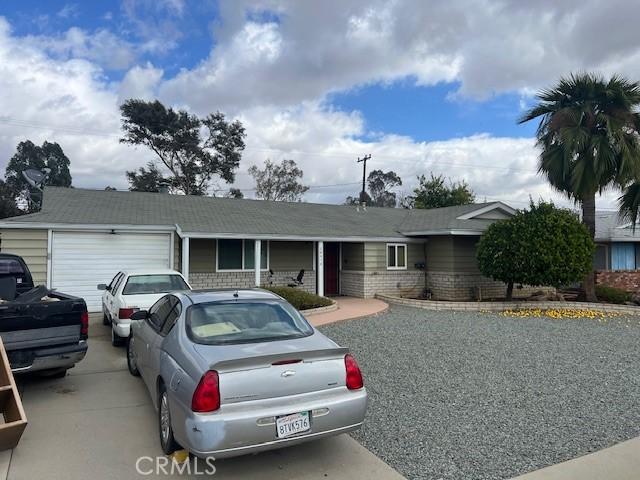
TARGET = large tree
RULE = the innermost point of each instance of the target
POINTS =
(148, 179)
(279, 182)
(588, 137)
(31, 156)
(542, 246)
(380, 195)
(193, 149)
(8, 207)
(438, 191)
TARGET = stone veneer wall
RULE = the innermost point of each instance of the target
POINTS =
(202, 281)
(628, 280)
(366, 284)
(463, 286)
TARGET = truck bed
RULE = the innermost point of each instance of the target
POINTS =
(34, 328)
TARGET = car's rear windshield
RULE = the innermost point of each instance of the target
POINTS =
(147, 284)
(244, 322)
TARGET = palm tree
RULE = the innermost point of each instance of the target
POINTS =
(588, 134)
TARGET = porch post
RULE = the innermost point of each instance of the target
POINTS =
(256, 260)
(185, 257)
(320, 269)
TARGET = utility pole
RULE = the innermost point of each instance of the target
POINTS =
(364, 176)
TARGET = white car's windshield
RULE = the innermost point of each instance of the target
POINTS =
(244, 322)
(148, 284)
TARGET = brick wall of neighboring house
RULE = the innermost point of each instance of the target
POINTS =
(247, 280)
(625, 279)
(366, 284)
(467, 286)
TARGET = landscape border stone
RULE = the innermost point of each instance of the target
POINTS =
(504, 306)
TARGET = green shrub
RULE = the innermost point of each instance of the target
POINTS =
(542, 246)
(612, 294)
(299, 298)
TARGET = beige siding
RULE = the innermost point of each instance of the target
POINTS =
(31, 245)
(290, 256)
(494, 215)
(464, 250)
(353, 256)
(440, 254)
(202, 255)
(452, 254)
(375, 255)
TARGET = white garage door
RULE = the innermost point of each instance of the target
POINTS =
(82, 260)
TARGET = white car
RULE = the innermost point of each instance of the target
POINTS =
(129, 292)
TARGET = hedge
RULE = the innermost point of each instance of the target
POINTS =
(299, 298)
(612, 294)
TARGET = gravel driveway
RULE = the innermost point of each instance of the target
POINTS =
(472, 395)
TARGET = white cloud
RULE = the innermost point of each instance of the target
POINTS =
(490, 47)
(275, 73)
(140, 82)
(102, 47)
(70, 10)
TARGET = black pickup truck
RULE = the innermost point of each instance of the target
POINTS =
(42, 330)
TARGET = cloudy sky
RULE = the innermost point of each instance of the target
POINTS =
(422, 86)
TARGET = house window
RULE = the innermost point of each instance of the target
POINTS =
(396, 256)
(623, 256)
(239, 255)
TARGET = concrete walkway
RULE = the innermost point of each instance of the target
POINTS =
(620, 462)
(348, 309)
(98, 421)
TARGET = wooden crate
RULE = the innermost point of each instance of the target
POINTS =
(15, 420)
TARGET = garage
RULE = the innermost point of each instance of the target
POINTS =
(82, 260)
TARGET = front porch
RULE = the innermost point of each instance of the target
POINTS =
(357, 269)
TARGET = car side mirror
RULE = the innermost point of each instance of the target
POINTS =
(102, 286)
(139, 315)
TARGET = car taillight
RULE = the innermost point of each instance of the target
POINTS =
(84, 323)
(206, 397)
(124, 313)
(354, 375)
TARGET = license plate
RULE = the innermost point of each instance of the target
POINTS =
(292, 424)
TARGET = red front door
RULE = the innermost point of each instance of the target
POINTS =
(331, 259)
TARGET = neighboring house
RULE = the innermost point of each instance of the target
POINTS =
(617, 257)
(81, 238)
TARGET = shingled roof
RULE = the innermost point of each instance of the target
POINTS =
(210, 215)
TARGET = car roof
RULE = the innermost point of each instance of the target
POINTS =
(151, 271)
(224, 294)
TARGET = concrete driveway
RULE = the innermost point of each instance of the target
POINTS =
(98, 421)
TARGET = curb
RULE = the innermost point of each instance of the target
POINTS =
(503, 306)
(315, 311)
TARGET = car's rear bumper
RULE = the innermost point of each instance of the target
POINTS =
(249, 427)
(122, 327)
(53, 358)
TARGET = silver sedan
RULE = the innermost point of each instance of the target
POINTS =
(233, 372)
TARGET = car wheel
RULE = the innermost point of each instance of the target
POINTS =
(105, 320)
(116, 340)
(131, 358)
(167, 442)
